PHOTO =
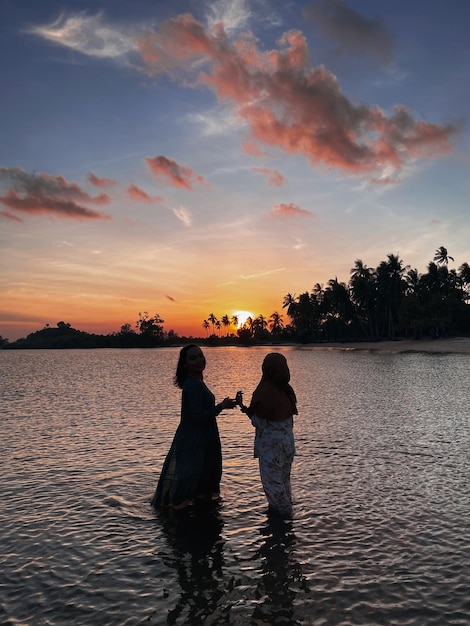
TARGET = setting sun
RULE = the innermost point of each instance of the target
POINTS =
(242, 316)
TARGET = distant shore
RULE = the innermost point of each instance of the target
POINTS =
(456, 345)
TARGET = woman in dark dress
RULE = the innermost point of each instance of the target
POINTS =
(193, 466)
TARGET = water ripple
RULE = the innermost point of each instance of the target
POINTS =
(381, 533)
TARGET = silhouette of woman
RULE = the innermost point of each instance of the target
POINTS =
(193, 466)
(271, 411)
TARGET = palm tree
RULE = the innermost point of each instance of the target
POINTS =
(413, 282)
(248, 324)
(206, 325)
(259, 323)
(363, 295)
(213, 320)
(441, 257)
(290, 303)
(226, 323)
(338, 308)
(276, 323)
(464, 274)
(391, 286)
(234, 320)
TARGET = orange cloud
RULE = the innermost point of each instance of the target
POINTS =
(177, 175)
(276, 179)
(101, 182)
(48, 195)
(290, 105)
(136, 193)
(289, 210)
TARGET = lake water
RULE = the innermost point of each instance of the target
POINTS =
(381, 531)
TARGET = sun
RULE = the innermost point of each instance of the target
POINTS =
(242, 316)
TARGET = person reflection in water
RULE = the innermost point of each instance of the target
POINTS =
(271, 411)
(281, 579)
(196, 553)
(192, 469)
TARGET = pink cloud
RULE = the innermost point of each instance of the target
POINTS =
(276, 179)
(252, 148)
(9, 216)
(46, 194)
(289, 210)
(290, 105)
(101, 182)
(176, 175)
(136, 193)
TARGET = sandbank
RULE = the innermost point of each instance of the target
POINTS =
(452, 345)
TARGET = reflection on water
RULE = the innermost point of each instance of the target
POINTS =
(281, 573)
(197, 550)
(381, 530)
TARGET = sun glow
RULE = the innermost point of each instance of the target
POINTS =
(242, 316)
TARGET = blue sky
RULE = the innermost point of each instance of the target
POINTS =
(190, 158)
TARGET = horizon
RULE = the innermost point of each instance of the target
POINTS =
(194, 158)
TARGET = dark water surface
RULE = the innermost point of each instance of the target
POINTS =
(381, 532)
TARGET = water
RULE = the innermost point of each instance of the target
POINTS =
(381, 533)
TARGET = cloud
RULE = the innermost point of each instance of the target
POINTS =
(170, 298)
(354, 33)
(217, 123)
(48, 195)
(283, 101)
(183, 215)
(252, 148)
(276, 179)
(9, 216)
(88, 34)
(176, 175)
(261, 274)
(101, 182)
(136, 193)
(233, 14)
(289, 210)
(291, 106)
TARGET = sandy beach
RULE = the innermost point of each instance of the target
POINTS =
(456, 345)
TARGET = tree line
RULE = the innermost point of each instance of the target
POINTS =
(386, 302)
(389, 301)
(148, 332)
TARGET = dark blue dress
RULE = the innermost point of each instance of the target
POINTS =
(193, 466)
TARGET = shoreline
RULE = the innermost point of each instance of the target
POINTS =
(452, 345)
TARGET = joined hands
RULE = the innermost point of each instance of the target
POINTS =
(231, 403)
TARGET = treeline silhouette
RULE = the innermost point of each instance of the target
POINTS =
(388, 302)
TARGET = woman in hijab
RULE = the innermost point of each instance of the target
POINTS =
(271, 412)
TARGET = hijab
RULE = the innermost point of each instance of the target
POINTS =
(274, 399)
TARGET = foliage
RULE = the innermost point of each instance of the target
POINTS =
(392, 300)
(383, 303)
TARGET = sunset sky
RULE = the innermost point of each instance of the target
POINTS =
(189, 157)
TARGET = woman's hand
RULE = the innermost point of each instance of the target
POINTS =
(228, 403)
(239, 401)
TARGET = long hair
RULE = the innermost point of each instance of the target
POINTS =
(181, 367)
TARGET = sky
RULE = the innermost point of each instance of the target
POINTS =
(186, 158)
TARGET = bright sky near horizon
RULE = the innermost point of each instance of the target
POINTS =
(188, 157)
